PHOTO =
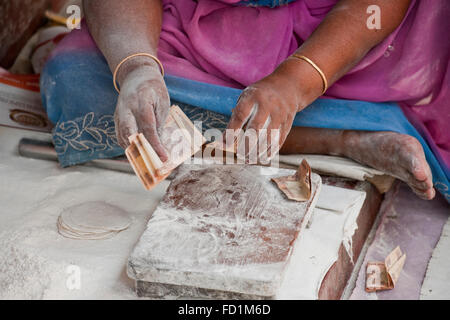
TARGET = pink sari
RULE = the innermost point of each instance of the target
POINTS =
(223, 43)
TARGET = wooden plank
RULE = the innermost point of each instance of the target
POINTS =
(336, 279)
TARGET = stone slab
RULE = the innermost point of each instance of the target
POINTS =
(220, 232)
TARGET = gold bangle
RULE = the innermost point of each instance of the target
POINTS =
(130, 57)
(322, 75)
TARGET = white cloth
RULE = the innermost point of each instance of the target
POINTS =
(337, 166)
(318, 247)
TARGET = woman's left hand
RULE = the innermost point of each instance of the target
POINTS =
(270, 104)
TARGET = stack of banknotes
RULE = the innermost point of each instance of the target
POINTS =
(181, 140)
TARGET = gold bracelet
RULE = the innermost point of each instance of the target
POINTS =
(322, 75)
(130, 57)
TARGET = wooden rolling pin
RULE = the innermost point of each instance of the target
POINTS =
(45, 150)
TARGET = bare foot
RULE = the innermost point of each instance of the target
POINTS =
(397, 154)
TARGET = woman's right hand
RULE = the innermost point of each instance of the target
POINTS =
(142, 107)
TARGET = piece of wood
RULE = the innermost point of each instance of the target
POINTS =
(221, 231)
(337, 277)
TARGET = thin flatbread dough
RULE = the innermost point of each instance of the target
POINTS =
(74, 235)
(96, 215)
(63, 228)
(92, 221)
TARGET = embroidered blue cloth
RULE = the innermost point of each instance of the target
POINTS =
(78, 95)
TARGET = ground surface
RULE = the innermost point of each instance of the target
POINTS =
(415, 225)
(36, 262)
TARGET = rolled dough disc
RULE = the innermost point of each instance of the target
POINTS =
(92, 221)
(69, 233)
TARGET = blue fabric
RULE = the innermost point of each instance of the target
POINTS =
(78, 95)
(80, 101)
(323, 113)
(265, 3)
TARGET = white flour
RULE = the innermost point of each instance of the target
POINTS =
(38, 263)
(35, 261)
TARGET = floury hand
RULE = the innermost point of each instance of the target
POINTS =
(143, 107)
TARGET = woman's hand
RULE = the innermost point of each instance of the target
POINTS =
(271, 104)
(143, 106)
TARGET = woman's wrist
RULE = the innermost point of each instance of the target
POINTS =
(303, 78)
(139, 62)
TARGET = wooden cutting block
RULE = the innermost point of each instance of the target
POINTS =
(221, 231)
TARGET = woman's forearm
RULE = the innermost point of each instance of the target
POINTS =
(341, 41)
(121, 28)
